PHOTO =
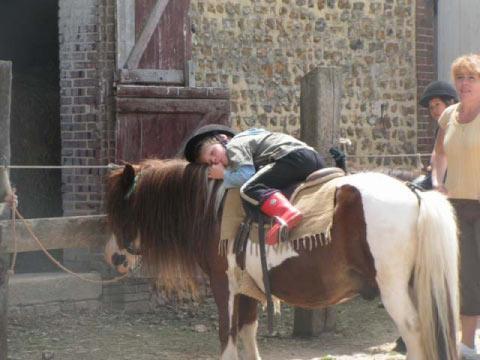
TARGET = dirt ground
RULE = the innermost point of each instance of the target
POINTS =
(364, 331)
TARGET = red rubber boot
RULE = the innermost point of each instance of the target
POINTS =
(285, 214)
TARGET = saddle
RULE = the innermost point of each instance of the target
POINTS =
(314, 198)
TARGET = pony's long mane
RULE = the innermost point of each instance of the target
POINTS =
(175, 211)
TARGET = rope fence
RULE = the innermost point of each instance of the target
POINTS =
(112, 166)
(109, 166)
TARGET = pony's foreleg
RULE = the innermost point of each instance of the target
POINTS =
(397, 302)
(247, 325)
(227, 319)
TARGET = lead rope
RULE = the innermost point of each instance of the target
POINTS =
(45, 251)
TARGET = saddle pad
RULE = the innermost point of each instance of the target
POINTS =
(314, 199)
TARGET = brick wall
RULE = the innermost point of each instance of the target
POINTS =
(425, 23)
(87, 53)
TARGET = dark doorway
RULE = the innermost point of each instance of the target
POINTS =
(29, 38)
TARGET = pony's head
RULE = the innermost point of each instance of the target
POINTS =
(120, 210)
(166, 212)
(120, 204)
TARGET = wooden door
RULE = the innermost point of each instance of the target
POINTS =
(158, 105)
(154, 121)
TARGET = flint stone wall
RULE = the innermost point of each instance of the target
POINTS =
(261, 49)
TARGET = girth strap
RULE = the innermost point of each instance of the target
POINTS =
(415, 188)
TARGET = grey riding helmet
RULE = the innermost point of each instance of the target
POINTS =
(438, 89)
(200, 134)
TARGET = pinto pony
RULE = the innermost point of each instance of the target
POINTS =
(384, 237)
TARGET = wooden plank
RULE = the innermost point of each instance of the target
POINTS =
(320, 104)
(3, 309)
(150, 76)
(320, 96)
(308, 323)
(5, 96)
(125, 30)
(170, 44)
(150, 57)
(162, 134)
(138, 105)
(5, 103)
(56, 233)
(129, 137)
(142, 42)
(172, 37)
(172, 92)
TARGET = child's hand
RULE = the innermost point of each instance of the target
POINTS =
(216, 171)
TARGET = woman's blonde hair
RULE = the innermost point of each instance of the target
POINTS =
(466, 64)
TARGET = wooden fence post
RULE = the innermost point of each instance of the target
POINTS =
(3, 309)
(320, 97)
(5, 93)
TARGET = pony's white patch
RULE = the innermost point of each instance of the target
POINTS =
(248, 334)
(230, 352)
(391, 212)
(276, 255)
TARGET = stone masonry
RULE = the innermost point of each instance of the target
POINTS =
(261, 49)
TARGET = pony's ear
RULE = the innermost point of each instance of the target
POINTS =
(128, 176)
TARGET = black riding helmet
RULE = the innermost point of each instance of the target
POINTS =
(200, 134)
(438, 89)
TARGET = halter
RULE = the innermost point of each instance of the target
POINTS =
(132, 188)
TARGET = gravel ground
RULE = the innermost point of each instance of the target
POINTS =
(189, 331)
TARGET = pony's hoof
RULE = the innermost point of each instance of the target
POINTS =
(400, 346)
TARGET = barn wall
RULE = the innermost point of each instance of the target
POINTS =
(87, 59)
(261, 50)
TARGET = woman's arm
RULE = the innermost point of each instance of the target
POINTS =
(5, 187)
(7, 195)
(439, 163)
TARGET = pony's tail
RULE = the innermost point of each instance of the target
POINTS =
(436, 277)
